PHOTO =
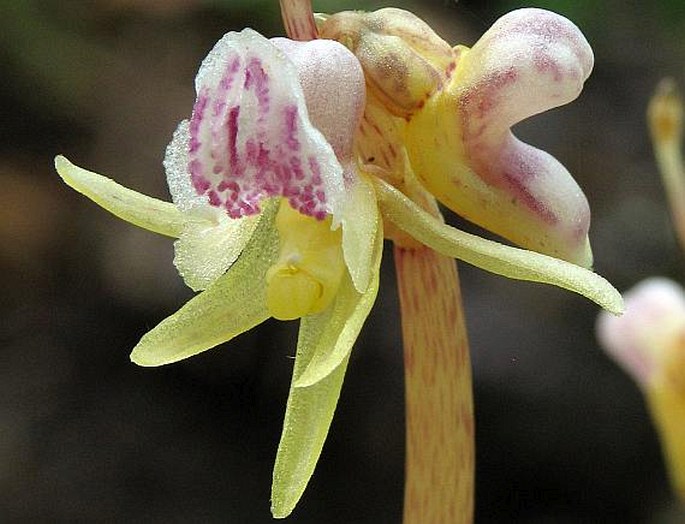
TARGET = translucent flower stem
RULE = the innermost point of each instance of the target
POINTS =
(439, 469)
(298, 19)
(665, 115)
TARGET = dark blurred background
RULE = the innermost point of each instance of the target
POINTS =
(562, 434)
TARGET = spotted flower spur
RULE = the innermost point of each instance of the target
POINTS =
(300, 157)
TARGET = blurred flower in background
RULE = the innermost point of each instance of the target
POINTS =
(648, 341)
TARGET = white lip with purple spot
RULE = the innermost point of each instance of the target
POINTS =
(250, 137)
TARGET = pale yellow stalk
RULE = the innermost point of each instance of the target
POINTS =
(665, 393)
(439, 469)
(440, 453)
(665, 115)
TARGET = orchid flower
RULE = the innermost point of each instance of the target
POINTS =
(648, 342)
(292, 169)
(460, 104)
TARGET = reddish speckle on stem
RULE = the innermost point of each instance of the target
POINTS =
(298, 19)
(439, 409)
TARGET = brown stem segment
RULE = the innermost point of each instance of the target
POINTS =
(298, 19)
(439, 482)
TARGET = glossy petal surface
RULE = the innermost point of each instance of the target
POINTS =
(342, 327)
(361, 221)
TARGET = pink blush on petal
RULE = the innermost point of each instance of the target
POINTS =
(250, 135)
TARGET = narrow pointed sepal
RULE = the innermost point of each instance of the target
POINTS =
(492, 256)
(138, 209)
(232, 305)
(324, 346)
(308, 416)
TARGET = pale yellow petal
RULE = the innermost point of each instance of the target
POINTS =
(461, 147)
(205, 250)
(341, 328)
(667, 407)
(492, 256)
(360, 222)
(235, 303)
(323, 352)
(307, 419)
(138, 209)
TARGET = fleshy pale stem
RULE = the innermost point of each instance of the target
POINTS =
(440, 452)
(298, 19)
(665, 115)
(439, 469)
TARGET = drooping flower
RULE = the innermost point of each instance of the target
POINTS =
(648, 342)
(460, 104)
(279, 180)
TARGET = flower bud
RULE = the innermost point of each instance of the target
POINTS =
(665, 114)
(404, 60)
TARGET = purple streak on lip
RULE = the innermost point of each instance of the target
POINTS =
(238, 157)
